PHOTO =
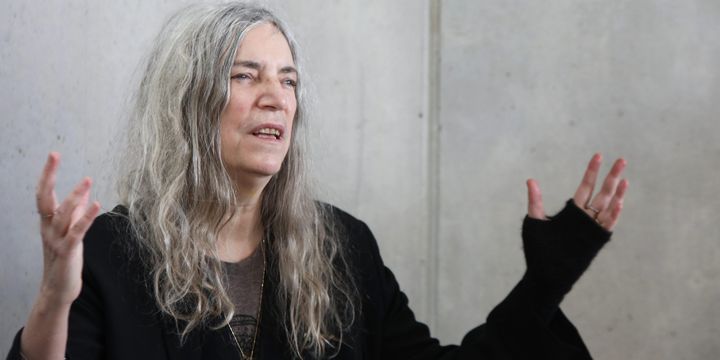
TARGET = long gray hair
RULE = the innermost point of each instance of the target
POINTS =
(178, 192)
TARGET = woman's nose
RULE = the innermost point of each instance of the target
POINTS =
(272, 96)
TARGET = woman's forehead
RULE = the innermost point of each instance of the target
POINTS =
(265, 44)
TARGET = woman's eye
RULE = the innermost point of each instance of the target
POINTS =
(242, 76)
(291, 82)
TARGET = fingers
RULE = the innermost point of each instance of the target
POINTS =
(80, 208)
(535, 205)
(605, 207)
(608, 218)
(80, 227)
(603, 198)
(585, 190)
(45, 195)
(74, 202)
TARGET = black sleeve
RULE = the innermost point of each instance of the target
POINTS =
(517, 328)
(557, 252)
(14, 353)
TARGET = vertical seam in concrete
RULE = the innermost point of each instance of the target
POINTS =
(433, 122)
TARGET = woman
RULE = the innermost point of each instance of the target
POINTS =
(219, 251)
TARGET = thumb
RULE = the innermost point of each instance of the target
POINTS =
(535, 206)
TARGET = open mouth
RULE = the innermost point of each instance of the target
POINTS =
(267, 133)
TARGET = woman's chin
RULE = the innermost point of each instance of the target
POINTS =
(269, 168)
(258, 172)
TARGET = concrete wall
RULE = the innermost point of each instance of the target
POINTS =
(430, 116)
(532, 89)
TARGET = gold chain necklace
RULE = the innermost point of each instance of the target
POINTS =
(259, 313)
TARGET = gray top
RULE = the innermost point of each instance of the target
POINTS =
(244, 286)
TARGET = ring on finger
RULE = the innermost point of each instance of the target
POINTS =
(594, 210)
(48, 216)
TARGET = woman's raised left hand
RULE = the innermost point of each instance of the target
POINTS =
(605, 207)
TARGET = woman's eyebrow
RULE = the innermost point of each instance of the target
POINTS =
(288, 70)
(256, 66)
(247, 63)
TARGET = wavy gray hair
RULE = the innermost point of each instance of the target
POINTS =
(178, 193)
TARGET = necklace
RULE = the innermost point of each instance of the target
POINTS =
(259, 313)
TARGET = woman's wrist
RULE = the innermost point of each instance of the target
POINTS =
(49, 305)
(558, 251)
(45, 332)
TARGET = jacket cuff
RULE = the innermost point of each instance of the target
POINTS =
(579, 221)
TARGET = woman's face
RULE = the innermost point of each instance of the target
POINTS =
(256, 124)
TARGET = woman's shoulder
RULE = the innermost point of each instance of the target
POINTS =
(109, 227)
(110, 243)
(113, 221)
(339, 215)
(347, 224)
(359, 239)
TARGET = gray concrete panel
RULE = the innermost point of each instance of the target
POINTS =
(532, 89)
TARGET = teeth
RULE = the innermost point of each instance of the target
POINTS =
(269, 131)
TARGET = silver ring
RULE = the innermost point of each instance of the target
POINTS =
(591, 208)
(48, 216)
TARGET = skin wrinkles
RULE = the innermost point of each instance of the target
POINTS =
(262, 91)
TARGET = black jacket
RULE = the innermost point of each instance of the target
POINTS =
(115, 316)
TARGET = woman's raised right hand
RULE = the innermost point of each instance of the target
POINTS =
(62, 228)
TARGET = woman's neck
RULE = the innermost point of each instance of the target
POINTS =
(241, 233)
